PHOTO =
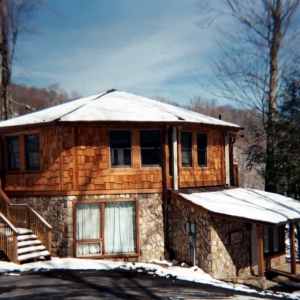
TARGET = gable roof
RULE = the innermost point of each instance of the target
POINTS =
(248, 205)
(114, 106)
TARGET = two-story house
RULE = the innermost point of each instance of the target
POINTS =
(123, 177)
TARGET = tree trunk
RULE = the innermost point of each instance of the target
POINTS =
(5, 64)
(270, 180)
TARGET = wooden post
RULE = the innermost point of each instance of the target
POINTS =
(49, 240)
(15, 248)
(292, 248)
(260, 251)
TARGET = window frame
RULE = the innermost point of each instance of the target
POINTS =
(9, 153)
(269, 239)
(203, 150)
(120, 166)
(22, 152)
(102, 229)
(27, 153)
(151, 148)
(190, 150)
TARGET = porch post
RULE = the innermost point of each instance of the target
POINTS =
(260, 250)
(292, 248)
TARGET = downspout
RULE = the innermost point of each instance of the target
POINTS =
(164, 186)
(174, 159)
(227, 159)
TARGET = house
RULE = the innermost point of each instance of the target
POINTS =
(122, 177)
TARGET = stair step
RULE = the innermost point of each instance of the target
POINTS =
(26, 237)
(33, 255)
(24, 230)
(31, 249)
(29, 243)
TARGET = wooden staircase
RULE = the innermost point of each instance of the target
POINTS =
(24, 235)
(30, 248)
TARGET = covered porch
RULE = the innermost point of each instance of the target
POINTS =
(264, 213)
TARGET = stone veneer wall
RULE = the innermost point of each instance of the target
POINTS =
(230, 248)
(215, 254)
(58, 212)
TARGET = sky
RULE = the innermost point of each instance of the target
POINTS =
(151, 48)
(154, 268)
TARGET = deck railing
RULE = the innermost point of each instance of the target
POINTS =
(8, 239)
(23, 216)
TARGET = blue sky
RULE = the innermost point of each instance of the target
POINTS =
(150, 48)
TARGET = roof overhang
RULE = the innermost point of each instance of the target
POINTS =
(245, 205)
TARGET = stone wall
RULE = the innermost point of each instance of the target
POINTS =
(221, 247)
(230, 248)
(58, 212)
(179, 215)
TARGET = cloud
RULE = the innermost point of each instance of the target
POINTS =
(134, 52)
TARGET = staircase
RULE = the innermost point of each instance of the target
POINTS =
(24, 235)
(30, 248)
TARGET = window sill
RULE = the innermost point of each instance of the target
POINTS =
(117, 255)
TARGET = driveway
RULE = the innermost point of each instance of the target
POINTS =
(70, 284)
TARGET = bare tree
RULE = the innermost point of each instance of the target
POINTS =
(261, 42)
(15, 15)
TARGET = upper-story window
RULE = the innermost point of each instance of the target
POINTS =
(202, 149)
(120, 148)
(186, 149)
(13, 152)
(150, 147)
(32, 152)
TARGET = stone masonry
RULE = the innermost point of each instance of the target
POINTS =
(58, 212)
(221, 246)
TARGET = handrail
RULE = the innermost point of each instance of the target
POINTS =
(11, 226)
(25, 206)
(8, 239)
(23, 216)
(6, 198)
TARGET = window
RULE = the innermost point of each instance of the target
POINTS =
(273, 240)
(186, 149)
(32, 152)
(120, 148)
(13, 152)
(150, 147)
(202, 149)
(119, 232)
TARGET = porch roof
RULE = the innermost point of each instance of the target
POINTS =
(248, 205)
(115, 106)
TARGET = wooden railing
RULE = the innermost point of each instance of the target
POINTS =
(23, 216)
(8, 239)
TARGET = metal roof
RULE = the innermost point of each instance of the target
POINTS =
(247, 204)
(114, 106)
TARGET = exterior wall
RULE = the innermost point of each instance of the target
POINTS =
(214, 173)
(222, 246)
(78, 159)
(58, 212)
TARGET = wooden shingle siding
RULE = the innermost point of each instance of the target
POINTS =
(211, 175)
(77, 159)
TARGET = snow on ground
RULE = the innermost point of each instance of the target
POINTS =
(156, 268)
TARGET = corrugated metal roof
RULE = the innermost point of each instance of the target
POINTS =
(253, 205)
(114, 106)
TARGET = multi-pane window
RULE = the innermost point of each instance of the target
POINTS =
(120, 148)
(32, 152)
(202, 149)
(150, 147)
(186, 149)
(119, 232)
(273, 240)
(13, 152)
